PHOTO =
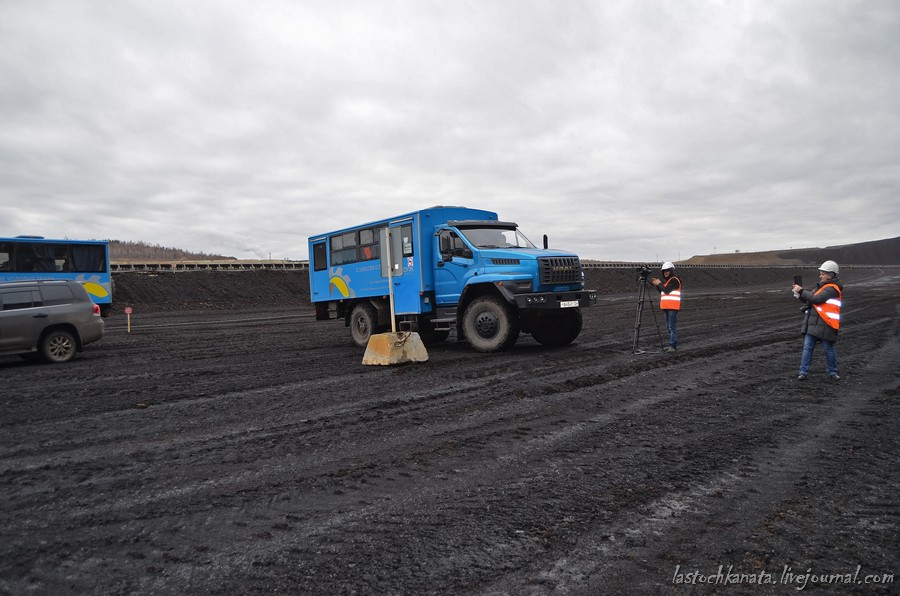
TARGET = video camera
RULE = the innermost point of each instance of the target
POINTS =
(643, 271)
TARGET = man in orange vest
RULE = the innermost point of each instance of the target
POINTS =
(822, 320)
(669, 301)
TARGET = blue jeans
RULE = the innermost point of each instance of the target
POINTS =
(671, 320)
(809, 345)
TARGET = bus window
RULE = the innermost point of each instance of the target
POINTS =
(88, 258)
(5, 256)
(34, 256)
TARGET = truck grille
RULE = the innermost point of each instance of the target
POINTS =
(560, 270)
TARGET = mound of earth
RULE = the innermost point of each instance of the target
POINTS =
(876, 252)
(221, 290)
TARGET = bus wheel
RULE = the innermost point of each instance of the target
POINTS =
(490, 325)
(58, 346)
(363, 323)
(558, 329)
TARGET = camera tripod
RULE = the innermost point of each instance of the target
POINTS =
(642, 295)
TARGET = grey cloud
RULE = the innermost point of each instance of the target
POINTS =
(241, 129)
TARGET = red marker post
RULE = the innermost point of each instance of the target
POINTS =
(128, 311)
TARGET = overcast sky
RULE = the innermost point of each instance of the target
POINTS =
(624, 129)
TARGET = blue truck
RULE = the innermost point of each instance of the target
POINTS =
(451, 268)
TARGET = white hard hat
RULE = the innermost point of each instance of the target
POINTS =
(830, 267)
(669, 265)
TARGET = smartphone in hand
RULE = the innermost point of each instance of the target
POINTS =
(798, 279)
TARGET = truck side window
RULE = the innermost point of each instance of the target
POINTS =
(343, 249)
(406, 240)
(368, 244)
(319, 262)
(453, 246)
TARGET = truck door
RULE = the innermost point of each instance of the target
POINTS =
(320, 288)
(451, 270)
(405, 272)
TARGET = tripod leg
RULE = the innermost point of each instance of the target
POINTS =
(637, 319)
(656, 320)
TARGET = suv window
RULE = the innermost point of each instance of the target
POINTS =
(19, 299)
(54, 295)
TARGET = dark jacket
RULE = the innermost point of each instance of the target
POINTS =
(812, 322)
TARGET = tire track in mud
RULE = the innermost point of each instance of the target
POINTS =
(344, 520)
(747, 499)
(527, 471)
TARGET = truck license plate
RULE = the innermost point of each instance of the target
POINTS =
(568, 303)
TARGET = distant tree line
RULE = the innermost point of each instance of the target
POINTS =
(126, 250)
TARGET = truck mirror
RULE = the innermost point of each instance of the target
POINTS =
(546, 242)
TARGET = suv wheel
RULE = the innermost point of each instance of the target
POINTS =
(58, 346)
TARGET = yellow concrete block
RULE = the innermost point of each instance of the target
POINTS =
(395, 348)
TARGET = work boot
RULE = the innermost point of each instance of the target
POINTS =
(834, 377)
(802, 377)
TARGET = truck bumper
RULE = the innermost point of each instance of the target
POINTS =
(556, 300)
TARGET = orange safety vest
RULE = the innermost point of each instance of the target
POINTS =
(830, 310)
(672, 300)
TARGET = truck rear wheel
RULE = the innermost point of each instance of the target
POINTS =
(363, 323)
(558, 329)
(490, 325)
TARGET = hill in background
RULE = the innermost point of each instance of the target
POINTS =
(126, 251)
(876, 252)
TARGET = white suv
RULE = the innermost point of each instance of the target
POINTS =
(48, 320)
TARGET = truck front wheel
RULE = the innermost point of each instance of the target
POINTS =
(557, 329)
(490, 325)
(363, 323)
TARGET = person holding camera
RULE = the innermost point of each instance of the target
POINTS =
(822, 320)
(669, 301)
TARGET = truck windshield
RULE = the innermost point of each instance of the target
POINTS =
(496, 238)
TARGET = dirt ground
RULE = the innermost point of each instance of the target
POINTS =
(231, 444)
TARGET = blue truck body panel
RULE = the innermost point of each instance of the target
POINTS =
(361, 278)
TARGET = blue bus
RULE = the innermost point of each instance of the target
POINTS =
(34, 257)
